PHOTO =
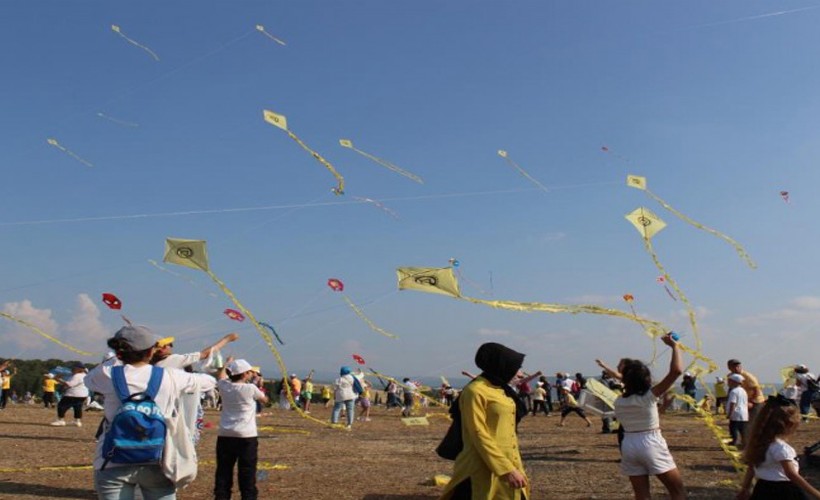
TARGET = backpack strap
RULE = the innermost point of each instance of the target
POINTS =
(154, 382)
(120, 385)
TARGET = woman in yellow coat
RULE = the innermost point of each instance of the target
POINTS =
(489, 467)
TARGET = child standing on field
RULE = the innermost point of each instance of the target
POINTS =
(571, 406)
(771, 460)
(737, 408)
(237, 439)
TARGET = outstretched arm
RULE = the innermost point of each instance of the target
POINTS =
(612, 372)
(675, 367)
(227, 339)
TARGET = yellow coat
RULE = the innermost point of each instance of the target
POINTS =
(490, 444)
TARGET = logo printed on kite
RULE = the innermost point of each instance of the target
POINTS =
(185, 252)
(644, 221)
(426, 280)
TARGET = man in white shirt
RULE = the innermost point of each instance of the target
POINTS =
(737, 408)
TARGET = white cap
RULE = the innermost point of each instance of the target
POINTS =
(238, 367)
(736, 377)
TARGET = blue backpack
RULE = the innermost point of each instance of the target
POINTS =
(137, 433)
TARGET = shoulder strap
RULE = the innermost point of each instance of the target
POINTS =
(154, 382)
(120, 385)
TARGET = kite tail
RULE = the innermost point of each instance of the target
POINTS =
(143, 47)
(738, 248)
(390, 166)
(689, 309)
(340, 188)
(526, 175)
(40, 332)
(373, 326)
(268, 340)
(720, 434)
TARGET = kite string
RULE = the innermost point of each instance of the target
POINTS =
(40, 332)
(738, 248)
(268, 340)
(367, 320)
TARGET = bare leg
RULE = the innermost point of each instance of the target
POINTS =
(640, 485)
(674, 484)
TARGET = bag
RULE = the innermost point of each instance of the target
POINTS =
(137, 433)
(452, 444)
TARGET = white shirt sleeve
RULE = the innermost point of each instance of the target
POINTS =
(257, 394)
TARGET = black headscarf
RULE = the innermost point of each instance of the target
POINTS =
(499, 364)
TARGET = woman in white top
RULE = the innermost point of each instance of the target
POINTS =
(74, 396)
(644, 452)
(134, 346)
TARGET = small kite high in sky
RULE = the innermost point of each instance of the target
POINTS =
(378, 204)
(662, 281)
(111, 301)
(116, 29)
(785, 196)
(53, 142)
(443, 281)
(521, 171)
(282, 122)
(261, 29)
(234, 315)
(193, 254)
(337, 285)
(358, 359)
(638, 182)
(347, 143)
(117, 121)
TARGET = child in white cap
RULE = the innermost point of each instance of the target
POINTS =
(237, 439)
(737, 408)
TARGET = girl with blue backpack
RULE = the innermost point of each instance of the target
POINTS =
(143, 436)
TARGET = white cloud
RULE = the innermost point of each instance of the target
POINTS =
(807, 302)
(22, 337)
(802, 310)
(85, 325)
(489, 332)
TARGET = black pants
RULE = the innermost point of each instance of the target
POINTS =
(782, 490)
(4, 400)
(539, 403)
(229, 450)
(48, 399)
(67, 402)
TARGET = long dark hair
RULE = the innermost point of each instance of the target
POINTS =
(637, 378)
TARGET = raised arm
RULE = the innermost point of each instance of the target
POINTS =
(227, 339)
(612, 372)
(675, 367)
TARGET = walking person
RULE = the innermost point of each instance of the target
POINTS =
(346, 390)
(49, 387)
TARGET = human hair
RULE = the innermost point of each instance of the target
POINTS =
(126, 353)
(779, 417)
(237, 378)
(637, 378)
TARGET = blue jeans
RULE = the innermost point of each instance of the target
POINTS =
(805, 402)
(119, 483)
(350, 404)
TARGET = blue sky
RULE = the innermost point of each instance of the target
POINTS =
(715, 104)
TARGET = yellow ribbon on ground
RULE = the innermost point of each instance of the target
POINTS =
(346, 143)
(521, 171)
(46, 468)
(638, 182)
(53, 142)
(40, 332)
(199, 260)
(282, 122)
(721, 435)
(269, 428)
(116, 29)
(373, 326)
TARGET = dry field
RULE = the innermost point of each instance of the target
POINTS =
(380, 459)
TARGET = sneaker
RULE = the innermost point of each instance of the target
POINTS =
(58, 423)
(78, 423)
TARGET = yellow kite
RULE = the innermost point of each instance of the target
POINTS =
(429, 279)
(188, 253)
(646, 222)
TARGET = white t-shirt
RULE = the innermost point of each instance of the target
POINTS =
(740, 412)
(75, 386)
(802, 381)
(174, 384)
(771, 469)
(638, 413)
(238, 418)
(178, 360)
(343, 387)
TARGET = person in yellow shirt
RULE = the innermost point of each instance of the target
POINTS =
(720, 395)
(489, 466)
(7, 375)
(49, 386)
(307, 394)
(327, 395)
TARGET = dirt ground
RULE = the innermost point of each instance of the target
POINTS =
(380, 459)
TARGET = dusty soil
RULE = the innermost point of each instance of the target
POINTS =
(380, 459)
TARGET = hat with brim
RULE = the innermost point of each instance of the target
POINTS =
(164, 342)
(238, 367)
(139, 338)
(736, 377)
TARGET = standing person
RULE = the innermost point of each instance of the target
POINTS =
(689, 388)
(525, 393)
(807, 383)
(720, 395)
(579, 384)
(346, 388)
(644, 451)
(750, 384)
(237, 440)
(489, 467)
(559, 384)
(74, 396)
(539, 396)
(571, 406)
(737, 409)
(114, 479)
(7, 375)
(295, 388)
(771, 460)
(307, 394)
(409, 391)
(548, 392)
(49, 386)
(327, 395)
(392, 390)
(364, 400)
(165, 358)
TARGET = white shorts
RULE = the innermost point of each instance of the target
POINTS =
(645, 454)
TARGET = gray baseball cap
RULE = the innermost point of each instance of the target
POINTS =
(138, 337)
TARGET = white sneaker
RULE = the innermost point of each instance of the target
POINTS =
(78, 423)
(58, 423)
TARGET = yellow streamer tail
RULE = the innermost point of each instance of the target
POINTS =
(137, 44)
(340, 188)
(367, 320)
(525, 174)
(40, 332)
(390, 166)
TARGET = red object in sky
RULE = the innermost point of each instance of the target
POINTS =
(234, 315)
(628, 297)
(358, 359)
(336, 285)
(111, 301)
